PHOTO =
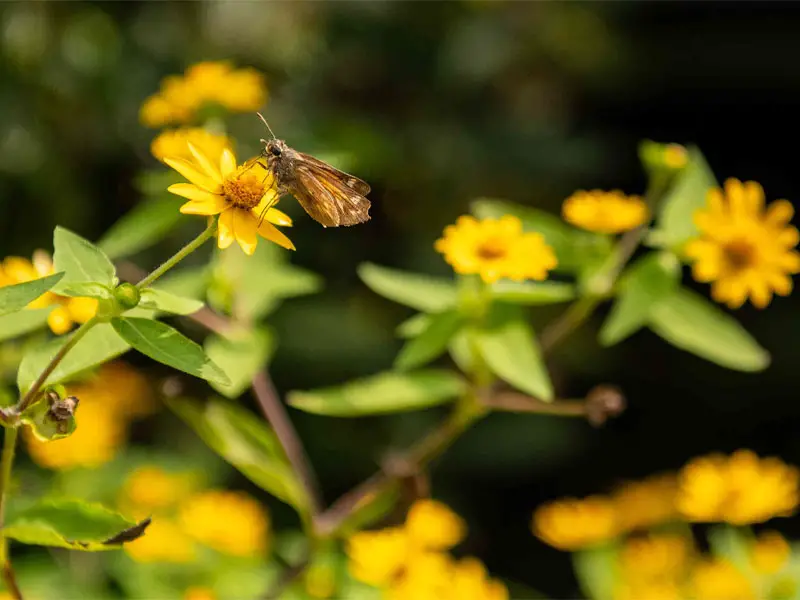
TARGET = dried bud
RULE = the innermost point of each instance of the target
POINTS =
(604, 402)
(62, 410)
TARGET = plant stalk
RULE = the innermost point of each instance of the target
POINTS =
(201, 239)
(6, 464)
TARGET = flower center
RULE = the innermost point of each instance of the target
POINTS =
(243, 192)
(492, 249)
(739, 254)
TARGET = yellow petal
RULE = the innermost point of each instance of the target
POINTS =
(210, 168)
(270, 232)
(227, 163)
(81, 309)
(208, 205)
(278, 217)
(754, 197)
(779, 213)
(225, 235)
(193, 174)
(192, 192)
(59, 321)
(244, 229)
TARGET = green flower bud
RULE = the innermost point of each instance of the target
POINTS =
(127, 295)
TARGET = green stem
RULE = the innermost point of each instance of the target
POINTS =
(201, 239)
(6, 463)
(569, 321)
(33, 392)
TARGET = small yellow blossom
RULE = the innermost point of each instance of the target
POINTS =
(769, 553)
(571, 524)
(123, 390)
(643, 504)
(150, 489)
(496, 249)
(741, 489)
(163, 542)
(68, 311)
(745, 250)
(199, 593)
(433, 525)
(377, 557)
(208, 83)
(655, 556)
(604, 212)
(174, 143)
(230, 522)
(717, 579)
(470, 581)
(649, 590)
(243, 197)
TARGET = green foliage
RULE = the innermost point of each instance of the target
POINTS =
(168, 346)
(82, 262)
(163, 301)
(246, 442)
(20, 323)
(651, 279)
(72, 524)
(413, 326)
(47, 426)
(596, 570)
(431, 342)
(532, 293)
(16, 297)
(241, 355)
(142, 226)
(383, 393)
(688, 321)
(422, 292)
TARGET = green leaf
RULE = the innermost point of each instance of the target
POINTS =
(689, 322)
(168, 346)
(431, 342)
(508, 346)
(413, 326)
(246, 442)
(81, 261)
(16, 297)
(99, 345)
(48, 425)
(461, 349)
(572, 246)
(423, 292)
(25, 321)
(160, 300)
(597, 570)
(141, 227)
(383, 393)
(687, 194)
(532, 293)
(650, 279)
(241, 355)
(72, 524)
(87, 289)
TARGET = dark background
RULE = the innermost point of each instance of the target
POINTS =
(436, 104)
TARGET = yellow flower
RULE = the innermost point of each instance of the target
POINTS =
(174, 143)
(242, 196)
(742, 489)
(199, 593)
(648, 590)
(230, 522)
(163, 542)
(122, 389)
(643, 504)
(68, 311)
(571, 524)
(495, 249)
(769, 553)
(604, 212)
(150, 489)
(426, 576)
(655, 556)
(181, 97)
(744, 250)
(377, 557)
(471, 582)
(718, 579)
(433, 525)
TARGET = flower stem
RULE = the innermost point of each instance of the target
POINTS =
(6, 463)
(33, 392)
(201, 239)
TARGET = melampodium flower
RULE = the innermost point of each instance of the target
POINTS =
(150, 489)
(744, 250)
(769, 553)
(719, 579)
(173, 143)
(655, 556)
(643, 504)
(243, 197)
(68, 311)
(182, 97)
(496, 249)
(740, 490)
(604, 212)
(571, 524)
(164, 542)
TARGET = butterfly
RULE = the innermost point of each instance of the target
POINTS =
(330, 196)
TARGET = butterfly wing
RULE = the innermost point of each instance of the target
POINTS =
(328, 197)
(354, 183)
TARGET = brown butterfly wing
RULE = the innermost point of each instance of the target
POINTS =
(327, 198)
(354, 183)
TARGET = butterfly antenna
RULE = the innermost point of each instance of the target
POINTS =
(263, 120)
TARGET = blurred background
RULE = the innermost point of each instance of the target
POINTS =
(435, 104)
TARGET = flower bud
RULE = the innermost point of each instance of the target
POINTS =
(127, 295)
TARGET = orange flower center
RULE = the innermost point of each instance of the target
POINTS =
(492, 249)
(243, 192)
(739, 254)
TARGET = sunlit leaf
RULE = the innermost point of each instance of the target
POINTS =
(159, 300)
(141, 227)
(16, 297)
(241, 355)
(80, 260)
(413, 326)
(83, 289)
(596, 571)
(431, 342)
(423, 292)
(532, 293)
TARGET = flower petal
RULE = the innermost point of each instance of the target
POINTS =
(192, 192)
(227, 163)
(225, 235)
(244, 229)
(209, 167)
(207, 209)
(273, 234)
(278, 217)
(193, 174)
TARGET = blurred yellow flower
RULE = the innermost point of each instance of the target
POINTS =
(643, 504)
(604, 212)
(655, 556)
(181, 97)
(149, 489)
(230, 522)
(741, 489)
(717, 579)
(174, 143)
(571, 524)
(199, 593)
(243, 197)
(470, 581)
(769, 553)
(123, 390)
(744, 250)
(648, 590)
(68, 311)
(433, 525)
(163, 542)
(377, 557)
(495, 249)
